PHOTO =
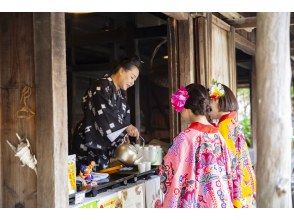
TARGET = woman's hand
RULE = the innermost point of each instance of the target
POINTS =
(133, 131)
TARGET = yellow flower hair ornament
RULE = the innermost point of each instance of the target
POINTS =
(216, 90)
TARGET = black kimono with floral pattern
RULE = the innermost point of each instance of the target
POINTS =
(105, 111)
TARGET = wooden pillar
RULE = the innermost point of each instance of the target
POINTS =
(1, 159)
(254, 114)
(137, 94)
(18, 184)
(51, 102)
(186, 55)
(274, 128)
(203, 26)
(70, 78)
(173, 73)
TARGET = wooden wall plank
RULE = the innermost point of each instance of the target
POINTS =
(220, 55)
(232, 60)
(17, 70)
(52, 151)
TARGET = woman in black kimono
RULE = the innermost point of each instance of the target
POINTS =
(106, 116)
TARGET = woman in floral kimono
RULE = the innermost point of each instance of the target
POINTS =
(106, 116)
(224, 107)
(196, 170)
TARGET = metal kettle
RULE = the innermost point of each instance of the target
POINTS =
(127, 153)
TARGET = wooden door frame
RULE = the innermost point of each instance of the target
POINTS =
(181, 68)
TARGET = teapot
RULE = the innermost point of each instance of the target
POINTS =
(127, 153)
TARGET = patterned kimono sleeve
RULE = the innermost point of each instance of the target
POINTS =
(228, 167)
(247, 177)
(109, 117)
(172, 170)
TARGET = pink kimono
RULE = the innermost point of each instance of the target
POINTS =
(196, 170)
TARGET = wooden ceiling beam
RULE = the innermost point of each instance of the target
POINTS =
(249, 22)
(245, 45)
(178, 15)
(233, 16)
(242, 23)
(244, 64)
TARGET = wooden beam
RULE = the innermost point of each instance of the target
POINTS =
(249, 22)
(274, 111)
(242, 23)
(51, 111)
(178, 15)
(220, 23)
(245, 45)
(234, 15)
(231, 15)
(245, 64)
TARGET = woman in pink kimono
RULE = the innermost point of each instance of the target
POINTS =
(196, 170)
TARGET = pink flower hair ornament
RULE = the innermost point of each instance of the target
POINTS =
(179, 99)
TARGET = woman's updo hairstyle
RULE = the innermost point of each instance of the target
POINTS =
(198, 100)
(128, 64)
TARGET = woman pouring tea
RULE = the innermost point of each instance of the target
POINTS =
(106, 116)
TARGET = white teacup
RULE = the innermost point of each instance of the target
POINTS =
(147, 166)
(152, 154)
(141, 167)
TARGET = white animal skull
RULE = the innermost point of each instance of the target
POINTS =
(22, 151)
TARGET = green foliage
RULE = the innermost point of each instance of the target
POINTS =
(246, 127)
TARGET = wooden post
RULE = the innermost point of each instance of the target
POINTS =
(1, 141)
(254, 114)
(51, 102)
(203, 49)
(19, 184)
(173, 73)
(70, 79)
(186, 55)
(274, 128)
(137, 94)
